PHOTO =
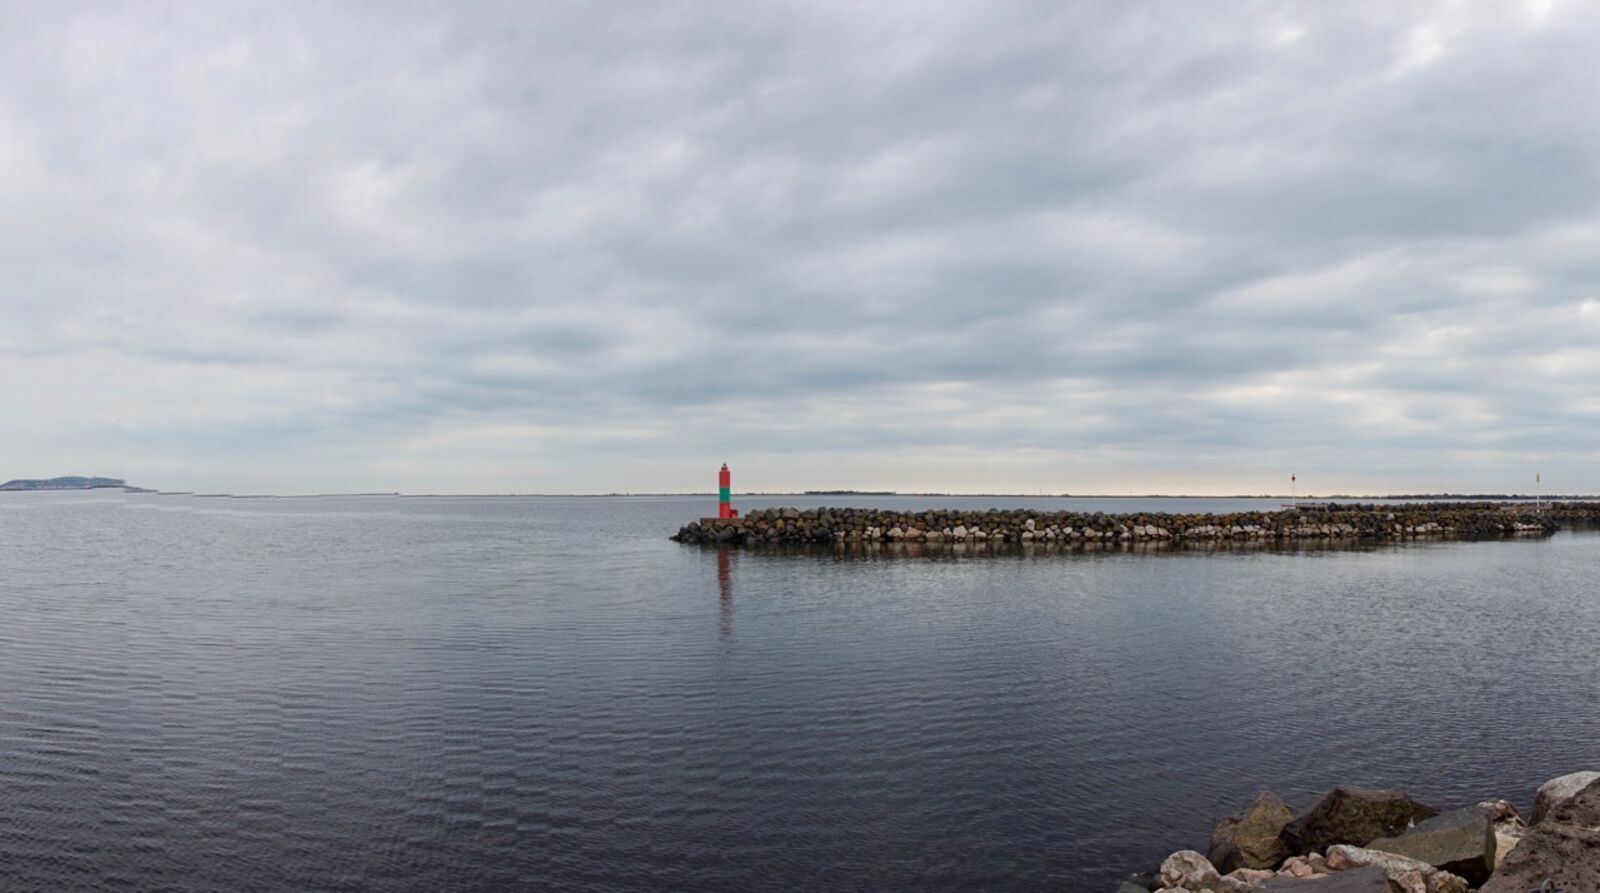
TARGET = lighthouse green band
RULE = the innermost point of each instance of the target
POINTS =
(723, 494)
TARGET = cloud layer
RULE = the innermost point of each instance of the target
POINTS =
(991, 246)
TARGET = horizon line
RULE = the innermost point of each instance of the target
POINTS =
(136, 491)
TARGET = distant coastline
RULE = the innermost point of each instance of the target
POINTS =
(26, 485)
(70, 482)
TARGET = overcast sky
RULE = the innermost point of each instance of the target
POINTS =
(572, 247)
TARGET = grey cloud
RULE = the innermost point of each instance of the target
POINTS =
(372, 246)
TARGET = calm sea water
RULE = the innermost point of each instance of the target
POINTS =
(545, 693)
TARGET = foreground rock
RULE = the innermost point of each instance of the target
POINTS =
(1188, 870)
(1356, 880)
(1251, 839)
(1305, 866)
(1461, 842)
(1359, 840)
(1409, 875)
(1560, 852)
(1557, 790)
(1355, 816)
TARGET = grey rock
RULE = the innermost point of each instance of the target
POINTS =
(1557, 790)
(1356, 880)
(1409, 875)
(1461, 842)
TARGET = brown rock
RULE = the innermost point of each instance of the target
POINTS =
(1251, 838)
(1560, 852)
(1354, 816)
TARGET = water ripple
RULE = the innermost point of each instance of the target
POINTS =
(545, 694)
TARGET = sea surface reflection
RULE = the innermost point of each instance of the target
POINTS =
(397, 693)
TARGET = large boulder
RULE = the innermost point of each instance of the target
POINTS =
(1251, 839)
(1461, 842)
(1355, 816)
(1556, 790)
(1560, 852)
(1356, 880)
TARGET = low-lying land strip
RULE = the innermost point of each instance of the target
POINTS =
(1035, 527)
(67, 483)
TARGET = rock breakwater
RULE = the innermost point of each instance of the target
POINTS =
(1036, 527)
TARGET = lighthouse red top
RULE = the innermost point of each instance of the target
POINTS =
(724, 477)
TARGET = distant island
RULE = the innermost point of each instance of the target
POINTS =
(66, 483)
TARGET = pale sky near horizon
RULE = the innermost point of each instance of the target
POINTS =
(971, 247)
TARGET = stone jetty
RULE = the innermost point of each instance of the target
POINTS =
(1383, 841)
(1034, 527)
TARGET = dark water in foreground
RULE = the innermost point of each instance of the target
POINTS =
(387, 693)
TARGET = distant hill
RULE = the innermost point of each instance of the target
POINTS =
(66, 483)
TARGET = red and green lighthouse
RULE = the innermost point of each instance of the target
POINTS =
(725, 493)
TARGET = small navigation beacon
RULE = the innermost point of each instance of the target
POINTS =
(725, 494)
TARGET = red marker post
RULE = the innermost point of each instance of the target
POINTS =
(725, 493)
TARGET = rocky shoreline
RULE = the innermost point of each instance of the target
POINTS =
(1357, 840)
(1032, 527)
